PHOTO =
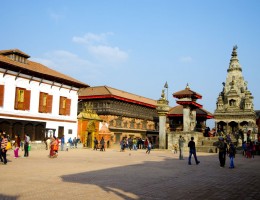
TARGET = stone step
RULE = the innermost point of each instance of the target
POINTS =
(206, 149)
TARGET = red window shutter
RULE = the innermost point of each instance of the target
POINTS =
(49, 104)
(41, 110)
(61, 110)
(27, 99)
(2, 90)
(68, 103)
(16, 98)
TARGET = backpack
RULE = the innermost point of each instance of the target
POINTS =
(8, 146)
(221, 146)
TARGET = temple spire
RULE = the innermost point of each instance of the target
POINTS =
(234, 62)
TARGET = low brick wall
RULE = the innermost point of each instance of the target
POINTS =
(173, 137)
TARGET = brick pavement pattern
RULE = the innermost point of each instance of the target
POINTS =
(87, 174)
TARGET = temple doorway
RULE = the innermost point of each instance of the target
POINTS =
(233, 127)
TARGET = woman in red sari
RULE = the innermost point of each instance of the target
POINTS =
(52, 148)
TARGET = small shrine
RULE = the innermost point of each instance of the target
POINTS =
(187, 98)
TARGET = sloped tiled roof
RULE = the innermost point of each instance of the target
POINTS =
(187, 92)
(35, 69)
(178, 111)
(15, 51)
(99, 92)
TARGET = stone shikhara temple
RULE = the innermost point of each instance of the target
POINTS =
(234, 107)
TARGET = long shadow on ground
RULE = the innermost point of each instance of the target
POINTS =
(174, 179)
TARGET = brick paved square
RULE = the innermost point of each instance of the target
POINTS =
(88, 174)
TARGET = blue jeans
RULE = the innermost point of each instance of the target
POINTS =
(231, 162)
(193, 152)
(62, 146)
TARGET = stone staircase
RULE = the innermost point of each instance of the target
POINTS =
(205, 144)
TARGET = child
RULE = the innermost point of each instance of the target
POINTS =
(232, 151)
(149, 146)
(175, 148)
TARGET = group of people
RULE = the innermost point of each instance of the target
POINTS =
(225, 148)
(102, 144)
(136, 143)
(192, 149)
(249, 149)
(17, 144)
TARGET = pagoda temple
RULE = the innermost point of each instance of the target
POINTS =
(234, 107)
(175, 116)
(187, 99)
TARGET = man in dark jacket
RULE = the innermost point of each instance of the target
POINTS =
(192, 147)
(222, 151)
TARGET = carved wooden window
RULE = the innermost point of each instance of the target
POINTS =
(111, 123)
(125, 124)
(138, 125)
(45, 103)
(22, 99)
(119, 122)
(132, 124)
(2, 89)
(65, 105)
(144, 125)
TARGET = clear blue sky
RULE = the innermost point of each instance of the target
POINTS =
(138, 45)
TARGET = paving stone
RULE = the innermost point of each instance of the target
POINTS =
(87, 174)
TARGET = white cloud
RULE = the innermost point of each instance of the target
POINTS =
(186, 59)
(69, 64)
(97, 45)
(91, 38)
(93, 66)
(111, 54)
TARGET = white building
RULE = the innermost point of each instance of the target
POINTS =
(35, 99)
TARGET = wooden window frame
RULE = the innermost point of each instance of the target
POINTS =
(2, 92)
(65, 106)
(22, 99)
(45, 103)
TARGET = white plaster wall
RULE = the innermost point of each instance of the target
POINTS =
(35, 87)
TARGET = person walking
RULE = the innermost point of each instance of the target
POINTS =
(26, 145)
(53, 146)
(181, 147)
(192, 147)
(75, 142)
(62, 143)
(95, 144)
(102, 143)
(17, 143)
(70, 142)
(3, 148)
(149, 146)
(134, 144)
(221, 152)
(231, 152)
